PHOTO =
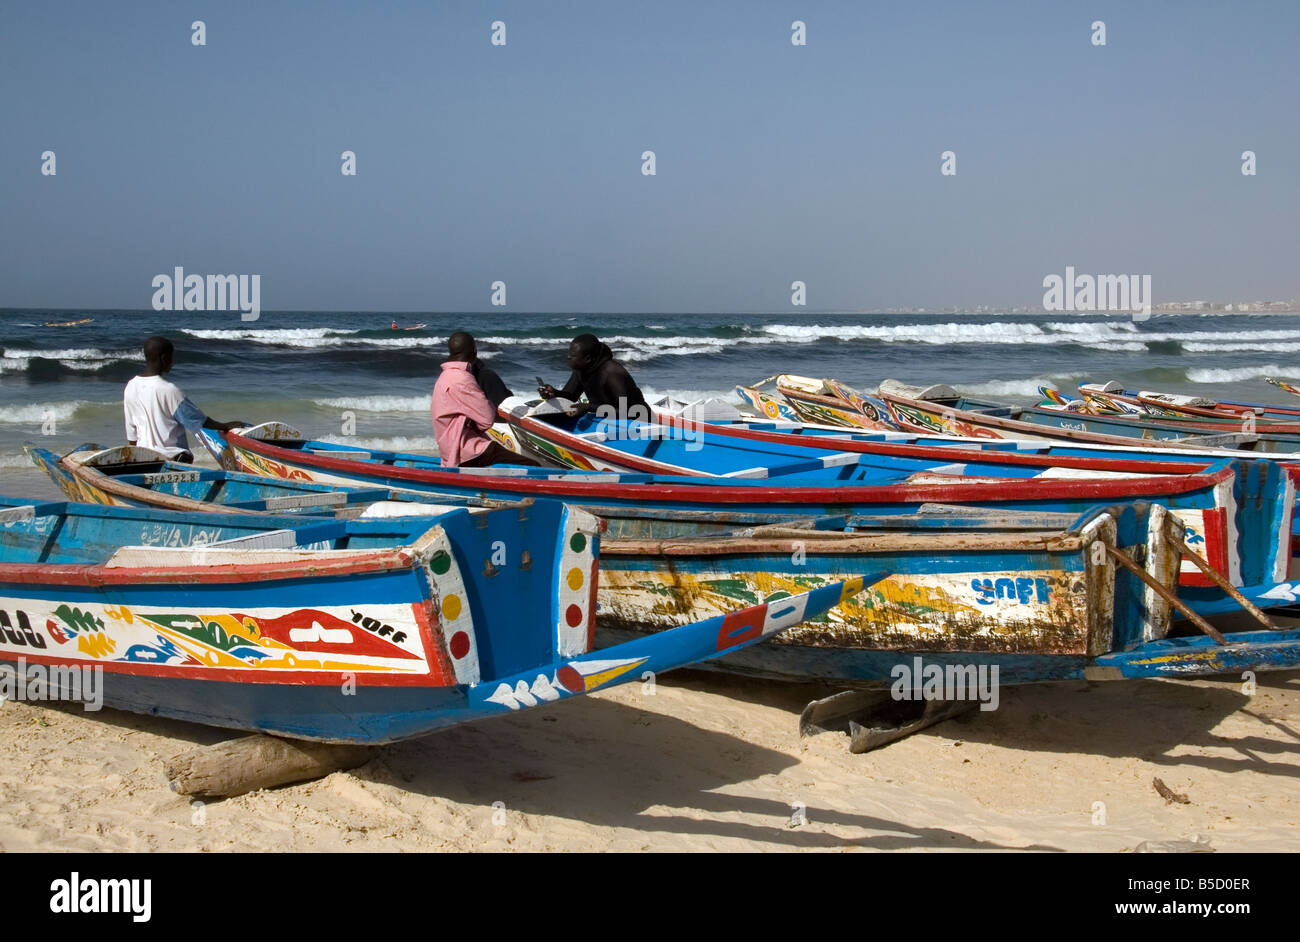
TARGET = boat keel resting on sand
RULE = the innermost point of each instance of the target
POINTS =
(366, 631)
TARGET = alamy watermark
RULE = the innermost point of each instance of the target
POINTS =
(181, 292)
(31, 683)
(1127, 293)
(920, 681)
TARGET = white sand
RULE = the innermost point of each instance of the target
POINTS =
(706, 763)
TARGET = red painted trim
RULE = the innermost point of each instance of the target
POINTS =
(705, 494)
(594, 579)
(439, 658)
(321, 678)
(955, 455)
(1215, 523)
(103, 575)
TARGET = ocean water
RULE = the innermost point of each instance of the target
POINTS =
(62, 386)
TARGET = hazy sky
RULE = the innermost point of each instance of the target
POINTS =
(523, 162)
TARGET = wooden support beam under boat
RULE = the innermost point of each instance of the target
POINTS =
(242, 765)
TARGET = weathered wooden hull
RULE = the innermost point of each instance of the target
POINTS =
(994, 593)
(1205, 502)
(284, 632)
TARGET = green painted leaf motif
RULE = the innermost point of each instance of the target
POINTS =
(77, 620)
(737, 589)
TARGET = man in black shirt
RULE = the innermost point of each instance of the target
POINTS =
(609, 387)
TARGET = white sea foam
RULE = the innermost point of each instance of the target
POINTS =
(1240, 374)
(379, 403)
(1024, 388)
(398, 443)
(81, 358)
(1090, 333)
(1219, 347)
(280, 335)
(39, 413)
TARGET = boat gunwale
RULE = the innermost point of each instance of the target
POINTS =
(1042, 489)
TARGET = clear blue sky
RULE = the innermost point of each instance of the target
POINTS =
(522, 163)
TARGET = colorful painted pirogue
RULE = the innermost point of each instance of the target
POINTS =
(1035, 593)
(608, 442)
(1238, 514)
(942, 410)
(1116, 398)
(1038, 595)
(133, 476)
(820, 400)
(367, 630)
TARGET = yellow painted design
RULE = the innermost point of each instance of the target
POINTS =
(575, 579)
(96, 644)
(451, 607)
(592, 681)
(904, 610)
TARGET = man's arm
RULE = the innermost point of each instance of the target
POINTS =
(221, 426)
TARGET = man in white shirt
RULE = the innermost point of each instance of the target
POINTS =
(157, 412)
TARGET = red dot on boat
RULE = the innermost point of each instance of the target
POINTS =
(573, 616)
(570, 679)
(459, 645)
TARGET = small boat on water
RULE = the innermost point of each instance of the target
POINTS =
(76, 323)
(369, 630)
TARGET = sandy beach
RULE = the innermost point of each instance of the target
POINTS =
(705, 763)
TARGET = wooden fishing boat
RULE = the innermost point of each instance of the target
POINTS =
(1247, 540)
(941, 409)
(134, 476)
(366, 630)
(1286, 387)
(1226, 410)
(1038, 595)
(833, 403)
(774, 406)
(76, 323)
(1024, 592)
(980, 581)
(1184, 411)
(1035, 595)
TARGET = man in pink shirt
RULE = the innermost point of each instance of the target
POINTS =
(462, 413)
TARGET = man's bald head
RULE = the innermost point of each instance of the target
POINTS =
(461, 346)
(158, 354)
